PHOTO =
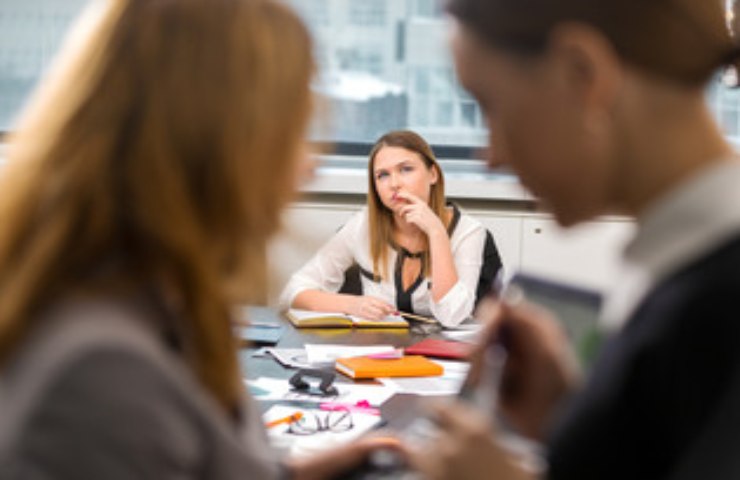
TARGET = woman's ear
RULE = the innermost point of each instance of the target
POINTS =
(435, 174)
(588, 65)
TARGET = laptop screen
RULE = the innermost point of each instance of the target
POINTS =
(575, 307)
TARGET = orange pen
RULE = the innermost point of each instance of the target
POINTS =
(289, 419)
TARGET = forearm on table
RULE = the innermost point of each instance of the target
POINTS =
(444, 272)
(321, 301)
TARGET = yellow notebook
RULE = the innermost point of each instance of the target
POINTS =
(311, 319)
(408, 366)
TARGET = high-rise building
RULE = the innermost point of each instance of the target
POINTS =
(383, 64)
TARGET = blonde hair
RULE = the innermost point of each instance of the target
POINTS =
(166, 142)
(381, 217)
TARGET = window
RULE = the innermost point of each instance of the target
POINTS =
(725, 102)
(383, 64)
(428, 8)
(315, 12)
(365, 60)
(367, 12)
(31, 32)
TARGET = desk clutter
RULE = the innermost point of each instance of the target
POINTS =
(311, 319)
(406, 366)
(321, 405)
(304, 431)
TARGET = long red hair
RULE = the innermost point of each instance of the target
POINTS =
(166, 138)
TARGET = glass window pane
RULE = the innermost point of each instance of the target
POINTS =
(31, 32)
(392, 53)
(468, 114)
(443, 114)
(382, 64)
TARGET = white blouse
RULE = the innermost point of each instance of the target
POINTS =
(325, 271)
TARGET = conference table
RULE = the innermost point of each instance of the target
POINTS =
(397, 412)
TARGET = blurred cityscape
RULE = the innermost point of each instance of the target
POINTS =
(384, 64)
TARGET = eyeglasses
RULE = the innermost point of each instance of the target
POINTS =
(337, 421)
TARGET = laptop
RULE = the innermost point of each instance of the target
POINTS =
(577, 308)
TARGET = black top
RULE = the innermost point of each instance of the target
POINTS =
(403, 296)
(491, 265)
(663, 399)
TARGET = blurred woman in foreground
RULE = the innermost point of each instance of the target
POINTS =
(140, 189)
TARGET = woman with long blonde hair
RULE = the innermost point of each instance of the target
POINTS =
(412, 251)
(135, 209)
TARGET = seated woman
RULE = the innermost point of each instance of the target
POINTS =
(415, 252)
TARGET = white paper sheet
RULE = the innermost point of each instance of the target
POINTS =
(303, 445)
(470, 334)
(447, 384)
(265, 388)
(323, 353)
(290, 357)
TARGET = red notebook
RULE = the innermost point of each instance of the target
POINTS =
(433, 347)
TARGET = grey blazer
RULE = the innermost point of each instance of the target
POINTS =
(96, 394)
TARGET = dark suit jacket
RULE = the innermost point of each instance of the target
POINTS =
(663, 400)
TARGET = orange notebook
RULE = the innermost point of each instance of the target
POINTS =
(408, 366)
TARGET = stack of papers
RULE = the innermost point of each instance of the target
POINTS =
(464, 333)
(330, 353)
(323, 355)
(303, 445)
(448, 383)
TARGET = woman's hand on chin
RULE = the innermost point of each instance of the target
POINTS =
(417, 212)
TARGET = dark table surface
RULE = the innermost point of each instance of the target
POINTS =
(397, 411)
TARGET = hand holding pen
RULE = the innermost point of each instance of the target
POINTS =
(539, 366)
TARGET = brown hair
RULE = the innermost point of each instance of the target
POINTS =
(166, 141)
(682, 40)
(380, 217)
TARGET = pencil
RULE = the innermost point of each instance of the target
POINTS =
(289, 419)
(420, 318)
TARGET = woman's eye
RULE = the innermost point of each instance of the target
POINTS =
(381, 175)
(407, 169)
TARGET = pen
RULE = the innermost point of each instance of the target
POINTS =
(294, 417)
(420, 318)
(395, 353)
(361, 407)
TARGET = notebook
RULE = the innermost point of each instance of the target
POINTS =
(261, 325)
(433, 347)
(407, 366)
(311, 319)
(261, 334)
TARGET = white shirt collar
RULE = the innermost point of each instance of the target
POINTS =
(681, 227)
